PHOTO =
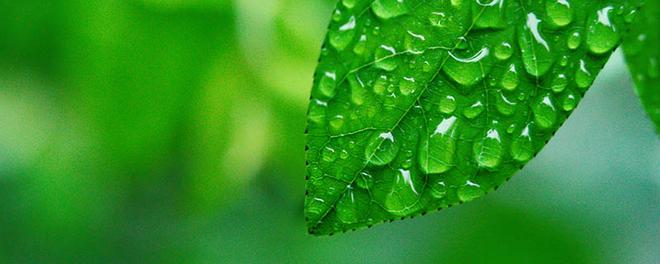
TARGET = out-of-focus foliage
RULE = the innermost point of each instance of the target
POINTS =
(172, 131)
(642, 55)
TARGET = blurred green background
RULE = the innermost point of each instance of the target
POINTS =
(172, 131)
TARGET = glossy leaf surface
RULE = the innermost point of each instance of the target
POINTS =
(421, 105)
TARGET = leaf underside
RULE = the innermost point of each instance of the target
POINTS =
(642, 48)
(420, 105)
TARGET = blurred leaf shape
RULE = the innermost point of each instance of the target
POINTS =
(418, 105)
(642, 55)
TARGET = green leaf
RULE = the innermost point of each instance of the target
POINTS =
(421, 105)
(642, 54)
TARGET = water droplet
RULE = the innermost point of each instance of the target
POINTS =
(380, 86)
(448, 104)
(510, 78)
(438, 19)
(559, 12)
(415, 42)
(387, 9)
(329, 154)
(353, 206)
(559, 83)
(381, 149)
(439, 189)
(337, 123)
(400, 191)
(342, 36)
(521, 146)
(474, 110)
(361, 45)
(583, 77)
(503, 51)
(488, 150)
(326, 87)
(349, 3)
(491, 13)
(570, 101)
(536, 52)
(470, 191)
(386, 58)
(317, 111)
(436, 151)
(602, 36)
(574, 40)
(407, 86)
(545, 113)
(504, 105)
(365, 180)
(358, 91)
(467, 71)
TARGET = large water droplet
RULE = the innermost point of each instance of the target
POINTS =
(467, 71)
(353, 206)
(386, 58)
(387, 9)
(535, 49)
(488, 150)
(342, 36)
(602, 35)
(381, 149)
(436, 151)
(400, 191)
(559, 12)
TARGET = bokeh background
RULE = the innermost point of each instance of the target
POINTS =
(172, 131)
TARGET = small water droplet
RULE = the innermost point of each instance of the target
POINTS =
(447, 104)
(574, 40)
(559, 83)
(521, 146)
(570, 101)
(503, 51)
(488, 150)
(545, 113)
(559, 12)
(583, 77)
(470, 191)
(474, 110)
(510, 79)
